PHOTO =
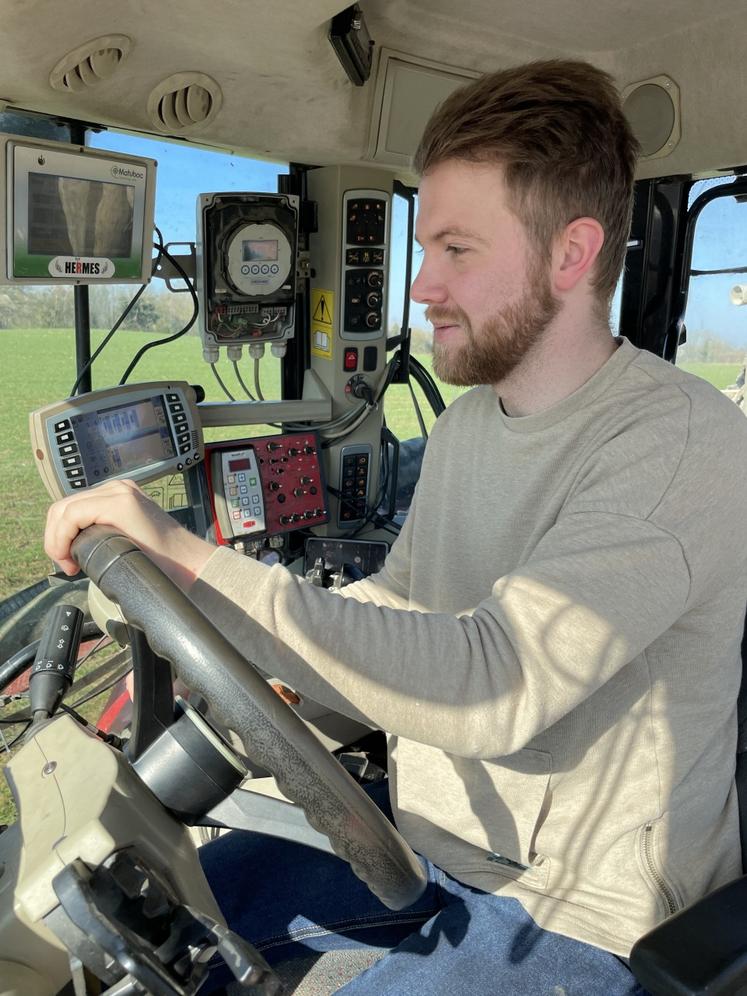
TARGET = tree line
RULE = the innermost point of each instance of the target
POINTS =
(707, 347)
(157, 310)
(160, 310)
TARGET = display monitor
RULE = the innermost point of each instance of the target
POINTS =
(137, 431)
(75, 215)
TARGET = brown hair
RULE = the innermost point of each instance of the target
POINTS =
(567, 151)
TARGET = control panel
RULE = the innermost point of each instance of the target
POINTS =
(364, 261)
(139, 431)
(246, 267)
(355, 468)
(349, 316)
(267, 485)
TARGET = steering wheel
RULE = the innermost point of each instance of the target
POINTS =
(272, 734)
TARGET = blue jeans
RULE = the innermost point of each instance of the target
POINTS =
(290, 900)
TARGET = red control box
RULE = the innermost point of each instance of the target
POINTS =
(266, 485)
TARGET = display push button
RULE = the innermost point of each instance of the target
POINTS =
(350, 361)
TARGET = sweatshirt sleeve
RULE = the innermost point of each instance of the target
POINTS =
(598, 589)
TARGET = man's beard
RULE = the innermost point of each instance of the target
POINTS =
(489, 356)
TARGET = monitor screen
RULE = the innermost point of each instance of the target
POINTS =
(266, 249)
(69, 216)
(75, 215)
(124, 438)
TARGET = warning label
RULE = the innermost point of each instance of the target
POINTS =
(322, 322)
(322, 307)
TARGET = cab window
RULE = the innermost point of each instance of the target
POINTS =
(716, 315)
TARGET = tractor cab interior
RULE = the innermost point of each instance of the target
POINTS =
(217, 203)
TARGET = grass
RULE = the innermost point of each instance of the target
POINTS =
(721, 375)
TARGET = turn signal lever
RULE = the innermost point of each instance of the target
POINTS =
(54, 667)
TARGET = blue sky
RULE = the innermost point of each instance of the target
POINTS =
(185, 171)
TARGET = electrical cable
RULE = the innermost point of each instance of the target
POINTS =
(99, 690)
(220, 381)
(330, 438)
(418, 413)
(9, 746)
(322, 426)
(385, 381)
(14, 722)
(422, 376)
(104, 640)
(240, 379)
(257, 388)
(177, 335)
(159, 246)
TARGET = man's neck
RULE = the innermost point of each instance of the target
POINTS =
(559, 364)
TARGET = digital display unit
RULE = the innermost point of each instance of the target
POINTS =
(137, 431)
(265, 249)
(75, 215)
(123, 438)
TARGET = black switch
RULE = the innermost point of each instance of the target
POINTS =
(370, 358)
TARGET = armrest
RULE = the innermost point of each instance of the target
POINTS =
(702, 950)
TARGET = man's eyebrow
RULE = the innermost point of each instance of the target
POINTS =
(454, 231)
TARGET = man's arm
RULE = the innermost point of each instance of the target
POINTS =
(597, 591)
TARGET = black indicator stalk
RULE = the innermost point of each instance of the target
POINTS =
(53, 670)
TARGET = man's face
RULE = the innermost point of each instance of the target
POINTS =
(487, 292)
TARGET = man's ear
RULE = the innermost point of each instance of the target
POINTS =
(575, 252)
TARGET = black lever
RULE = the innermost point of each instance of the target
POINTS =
(54, 667)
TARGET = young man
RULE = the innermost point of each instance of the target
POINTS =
(553, 643)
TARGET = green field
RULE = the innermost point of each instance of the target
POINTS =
(721, 375)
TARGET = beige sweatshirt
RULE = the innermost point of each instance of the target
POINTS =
(553, 646)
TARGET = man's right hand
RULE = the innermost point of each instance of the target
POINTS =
(127, 509)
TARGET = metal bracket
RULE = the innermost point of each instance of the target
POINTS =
(303, 265)
(166, 270)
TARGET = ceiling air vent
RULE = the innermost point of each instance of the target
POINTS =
(90, 64)
(184, 101)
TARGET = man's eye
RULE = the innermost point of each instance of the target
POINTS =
(456, 250)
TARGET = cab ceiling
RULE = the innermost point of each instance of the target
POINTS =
(287, 98)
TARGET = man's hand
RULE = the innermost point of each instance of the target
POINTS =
(124, 507)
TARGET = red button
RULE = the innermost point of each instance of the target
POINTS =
(350, 361)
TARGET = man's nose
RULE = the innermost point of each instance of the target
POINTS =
(427, 288)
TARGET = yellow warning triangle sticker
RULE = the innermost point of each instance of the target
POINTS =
(322, 312)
